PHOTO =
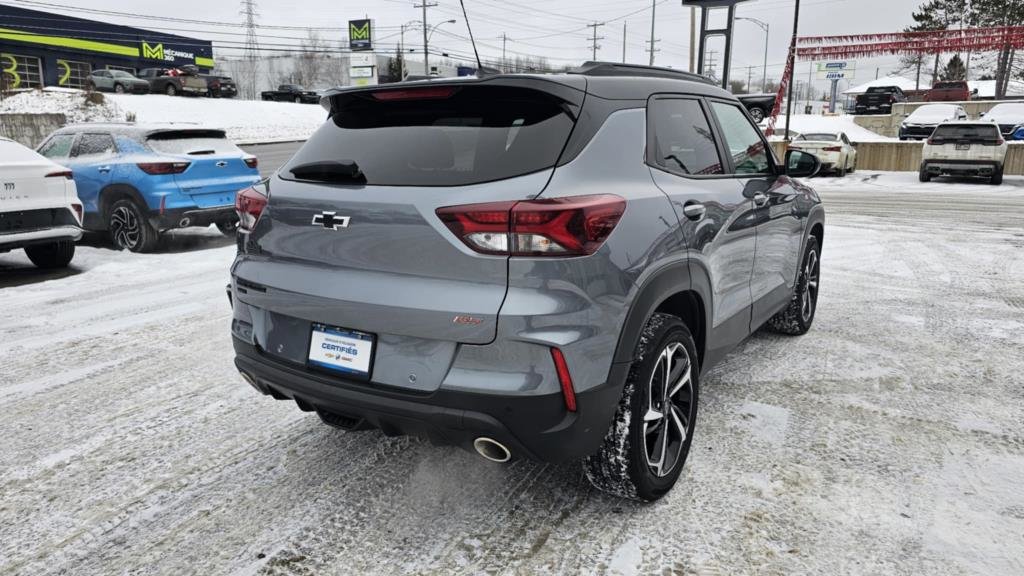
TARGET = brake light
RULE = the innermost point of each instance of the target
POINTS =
(60, 174)
(432, 93)
(1000, 142)
(249, 204)
(565, 379)
(575, 226)
(157, 168)
(252, 162)
(832, 149)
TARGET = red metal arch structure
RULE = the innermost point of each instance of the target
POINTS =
(817, 48)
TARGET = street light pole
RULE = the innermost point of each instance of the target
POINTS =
(792, 68)
(765, 27)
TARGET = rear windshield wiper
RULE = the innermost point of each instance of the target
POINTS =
(345, 171)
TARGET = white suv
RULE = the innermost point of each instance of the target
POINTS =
(964, 149)
(39, 207)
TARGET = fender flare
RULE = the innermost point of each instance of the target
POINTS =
(672, 279)
(116, 190)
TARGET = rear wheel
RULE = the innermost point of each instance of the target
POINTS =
(796, 318)
(757, 114)
(997, 177)
(923, 174)
(56, 255)
(119, 88)
(171, 90)
(643, 452)
(298, 99)
(129, 228)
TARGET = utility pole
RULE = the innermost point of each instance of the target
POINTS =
(252, 47)
(623, 41)
(792, 69)
(652, 49)
(426, 52)
(504, 41)
(750, 74)
(710, 64)
(693, 39)
(594, 45)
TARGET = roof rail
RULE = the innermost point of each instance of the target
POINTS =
(619, 69)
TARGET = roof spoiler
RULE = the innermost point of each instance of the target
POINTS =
(593, 68)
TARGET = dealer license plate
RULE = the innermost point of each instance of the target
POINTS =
(963, 146)
(341, 350)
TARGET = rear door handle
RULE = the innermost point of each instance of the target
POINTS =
(760, 199)
(694, 210)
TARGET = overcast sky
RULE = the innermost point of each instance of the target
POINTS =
(552, 28)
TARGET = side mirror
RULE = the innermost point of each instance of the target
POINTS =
(800, 164)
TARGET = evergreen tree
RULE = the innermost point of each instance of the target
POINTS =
(999, 13)
(954, 70)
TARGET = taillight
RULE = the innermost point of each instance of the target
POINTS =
(156, 168)
(1000, 142)
(252, 162)
(575, 226)
(930, 141)
(60, 174)
(249, 205)
(565, 379)
(832, 149)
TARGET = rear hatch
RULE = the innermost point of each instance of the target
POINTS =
(217, 168)
(980, 142)
(351, 237)
(818, 144)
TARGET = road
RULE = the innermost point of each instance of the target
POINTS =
(886, 441)
(272, 156)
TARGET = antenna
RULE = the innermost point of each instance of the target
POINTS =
(479, 66)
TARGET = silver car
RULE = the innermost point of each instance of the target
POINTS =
(117, 81)
(525, 266)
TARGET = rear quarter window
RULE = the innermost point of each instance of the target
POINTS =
(191, 143)
(474, 134)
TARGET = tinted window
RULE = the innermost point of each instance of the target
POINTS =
(95, 144)
(58, 147)
(192, 142)
(748, 150)
(972, 133)
(456, 136)
(683, 141)
(819, 137)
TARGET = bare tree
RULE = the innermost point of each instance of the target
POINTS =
(312, 61)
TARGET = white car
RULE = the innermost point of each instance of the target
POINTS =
(922, 122)
(836, 152)
(39, 207)
(964, 149)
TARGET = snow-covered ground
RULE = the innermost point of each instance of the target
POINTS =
(887, 441)
(246, 121)
(813, 123)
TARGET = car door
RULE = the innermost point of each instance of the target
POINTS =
(779, 224)
(103, 80)
(688, 164)
(91, 162)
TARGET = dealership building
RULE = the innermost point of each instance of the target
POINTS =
(45, 49)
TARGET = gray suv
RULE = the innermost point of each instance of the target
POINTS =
(528, 266)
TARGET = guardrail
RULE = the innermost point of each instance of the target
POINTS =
(906, 156)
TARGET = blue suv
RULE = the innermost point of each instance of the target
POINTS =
(137, 181)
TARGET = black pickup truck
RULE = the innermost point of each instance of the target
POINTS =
(759, 105)
(879, 100)
(291, 93)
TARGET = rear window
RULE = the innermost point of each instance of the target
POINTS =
(820, 137)
(982, 133)
(191, 143)
(948, 85)
(461, 135)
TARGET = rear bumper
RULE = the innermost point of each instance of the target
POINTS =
(185, 217)
(15, 240)
(960, 167)
(534, 427)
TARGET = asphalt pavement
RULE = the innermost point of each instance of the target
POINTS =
(272, 156)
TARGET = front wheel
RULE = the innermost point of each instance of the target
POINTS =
(643, 452)
(129, 228)
(171, 90)
(796, 318)
(50, 256)
(119, 88)
(298, 99)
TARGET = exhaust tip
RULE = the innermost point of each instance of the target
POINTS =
(248, 379)
(492, 449)
(184, 222)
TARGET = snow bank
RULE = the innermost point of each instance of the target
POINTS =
(806, 123)
(71, 103)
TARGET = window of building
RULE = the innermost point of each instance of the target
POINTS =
(71, 74)
(20, 72)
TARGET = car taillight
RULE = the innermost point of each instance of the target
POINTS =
(252, 162)
(61, 174)
(575, 226)
(155, 168)
(1000, 142)
(249, 205)
(832, 149)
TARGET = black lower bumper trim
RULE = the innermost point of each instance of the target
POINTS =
(534, 427)
(195, 217)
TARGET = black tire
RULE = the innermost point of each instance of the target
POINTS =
(854, 167)
(119, 88)
(170, 89)
(50, 256)
(841, 172)
(797, 318)
(757, 114)
(923, 174)
(997, 177)
(130, 229)
(228, 227)
(622, 466)
(298, 99)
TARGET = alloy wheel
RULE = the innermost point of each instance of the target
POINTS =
(124, 228)
(670, 403)
(809, 298)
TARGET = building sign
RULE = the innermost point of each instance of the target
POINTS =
(837, 70)
(158, 52)
(360, 35)
(362, 69)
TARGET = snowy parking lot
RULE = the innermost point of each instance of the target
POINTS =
(889, 440)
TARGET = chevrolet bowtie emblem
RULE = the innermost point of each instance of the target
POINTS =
(330, 220)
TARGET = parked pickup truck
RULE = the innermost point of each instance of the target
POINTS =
(291, 93)
(879, 100)
(759, 105)
(951, 91)
(174, 81)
